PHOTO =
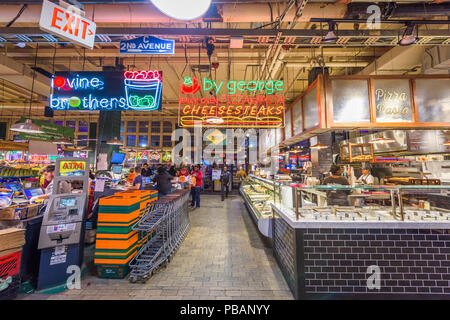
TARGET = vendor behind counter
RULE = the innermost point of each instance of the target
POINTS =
(337, 197)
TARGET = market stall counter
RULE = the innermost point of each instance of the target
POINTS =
(374, 252)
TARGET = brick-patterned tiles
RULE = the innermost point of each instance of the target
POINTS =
(411, 261)
(222, 257)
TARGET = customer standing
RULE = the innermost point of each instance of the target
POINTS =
(146, 171)
(225, 181)
(163, 181)
(138, 183)
(131, 176)
(197, 174)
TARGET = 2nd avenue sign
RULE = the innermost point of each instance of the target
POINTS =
(147, 45)
(67, 24)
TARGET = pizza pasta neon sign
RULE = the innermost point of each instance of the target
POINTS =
(232, 103)
(129, 90)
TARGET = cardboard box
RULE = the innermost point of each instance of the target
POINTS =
(19, 212)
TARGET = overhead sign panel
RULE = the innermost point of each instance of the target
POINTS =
(50, 131)
(213, 103)
(147, 45)
(68, 24)
(115, 90)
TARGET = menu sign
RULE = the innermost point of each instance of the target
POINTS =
(392, 100)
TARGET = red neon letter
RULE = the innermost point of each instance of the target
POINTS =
(55, 17)
(69, 20)
(85, 25)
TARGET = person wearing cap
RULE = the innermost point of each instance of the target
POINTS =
(366, 177)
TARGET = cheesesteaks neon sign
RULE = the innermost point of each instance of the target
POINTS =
(129, 90)
(232, 103)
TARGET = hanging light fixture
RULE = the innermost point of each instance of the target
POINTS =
(408, 37)
(114, 142)
(319, 146)
(28, 126)
(64, 140)
(331, 35)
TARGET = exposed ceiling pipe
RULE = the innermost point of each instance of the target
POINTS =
(241, 12)
(147, 13)
(358, 10)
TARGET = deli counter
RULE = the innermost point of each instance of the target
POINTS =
(332, 251)
(401, 232)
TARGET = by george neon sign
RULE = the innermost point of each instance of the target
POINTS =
(232, 103)
(129, 90)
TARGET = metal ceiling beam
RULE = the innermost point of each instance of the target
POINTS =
(114, 31)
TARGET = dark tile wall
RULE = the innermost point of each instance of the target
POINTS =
(411, 261)
(284, 249)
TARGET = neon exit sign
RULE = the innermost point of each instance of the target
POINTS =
(129, 90)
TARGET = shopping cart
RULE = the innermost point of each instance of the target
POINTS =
(165, 224)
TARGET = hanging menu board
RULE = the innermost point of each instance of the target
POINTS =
(392, 100)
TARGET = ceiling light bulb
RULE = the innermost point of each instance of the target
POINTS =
(183, 9)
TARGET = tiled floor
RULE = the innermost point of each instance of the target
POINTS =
(222, 257)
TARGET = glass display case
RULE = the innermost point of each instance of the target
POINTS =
(259, 194)
(368, 203)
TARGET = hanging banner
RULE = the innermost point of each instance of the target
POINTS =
(68, 23)
(114, 90)
(257, 104)
(147, 45)
(51, 132)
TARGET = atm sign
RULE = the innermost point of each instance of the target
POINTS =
(68, 168)
(67, 24)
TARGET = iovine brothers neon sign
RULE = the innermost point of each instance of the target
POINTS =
(231, 104)
(129, 90)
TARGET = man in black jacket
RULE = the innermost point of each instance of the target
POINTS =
(163, 184)
(146, 171)
(225, 181)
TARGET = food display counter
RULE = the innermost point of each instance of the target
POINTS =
(372, 251)
(258, 194)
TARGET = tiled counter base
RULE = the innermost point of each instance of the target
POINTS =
(340, 260)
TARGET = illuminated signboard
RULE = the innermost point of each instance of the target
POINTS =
(67, 23)
(72, 168)
(115, 90)
(232, 103)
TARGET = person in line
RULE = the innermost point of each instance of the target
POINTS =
(366, 177)
(131, 176)
(49, 175)
(241, 174)
(138, 182)
(197, 187)
(183, 171)
(163, 181)
(172, 170)
(225, 181)
(337, 197)
(146, 171)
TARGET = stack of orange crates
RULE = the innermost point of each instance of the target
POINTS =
(116, 242)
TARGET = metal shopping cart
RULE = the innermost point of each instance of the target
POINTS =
(164, 224)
